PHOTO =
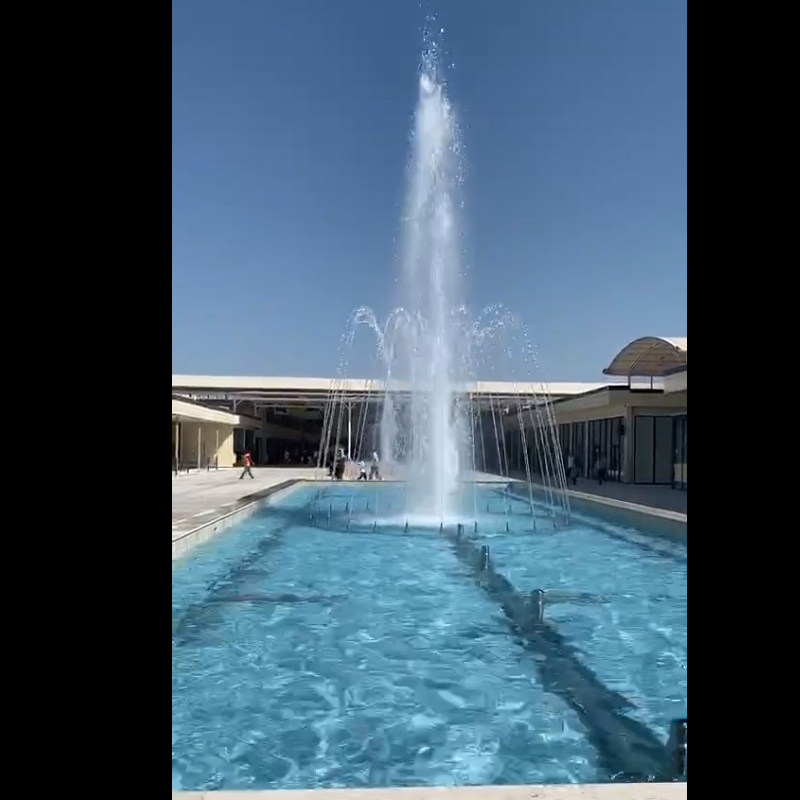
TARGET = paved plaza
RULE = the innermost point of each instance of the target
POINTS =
(663, 497)
(200, 497)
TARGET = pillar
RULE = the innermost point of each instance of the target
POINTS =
(587, 466)
(628, 446)
(349, 431)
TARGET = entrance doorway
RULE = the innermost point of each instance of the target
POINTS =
(652, 453)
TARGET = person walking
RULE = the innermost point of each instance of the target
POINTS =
(374, 468)
(248, 464)
(572, 472)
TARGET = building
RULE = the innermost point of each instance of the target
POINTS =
(636, 430)
(635, 427)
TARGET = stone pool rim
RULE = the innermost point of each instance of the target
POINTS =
(574, 791)
(673, 524)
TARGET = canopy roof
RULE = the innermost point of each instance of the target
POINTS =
(649, 357)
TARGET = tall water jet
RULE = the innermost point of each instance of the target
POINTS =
(432, 350)
(430, 275)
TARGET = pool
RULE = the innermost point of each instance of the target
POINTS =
(320, 644)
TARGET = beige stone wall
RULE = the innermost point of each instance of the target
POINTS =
(215, 444)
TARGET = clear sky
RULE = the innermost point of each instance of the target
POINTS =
(290, 128)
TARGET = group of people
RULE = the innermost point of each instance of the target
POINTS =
(336, 468)
(374, 471)
(573, 468)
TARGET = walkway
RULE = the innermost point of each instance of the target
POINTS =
(664, 497)
(202, 496)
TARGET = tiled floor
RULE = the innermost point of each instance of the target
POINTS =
(198, 498)
(663, 497)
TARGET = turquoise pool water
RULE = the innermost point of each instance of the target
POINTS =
(318, 644)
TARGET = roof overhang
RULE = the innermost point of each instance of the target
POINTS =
(287, 391)
(649, 357)
(184, 411)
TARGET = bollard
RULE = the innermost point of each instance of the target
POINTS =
(485, 558)
(537, 599)
(678, 748)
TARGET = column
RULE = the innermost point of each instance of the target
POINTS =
(349, 430)
(587, 466)
(628, 446)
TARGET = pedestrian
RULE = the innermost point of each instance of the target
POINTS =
(248, 464)
(572, 472)
(374, 468)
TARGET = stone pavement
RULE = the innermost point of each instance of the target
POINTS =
(200, 497)
(663, 497)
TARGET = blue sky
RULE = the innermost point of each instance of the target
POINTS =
(290, 129)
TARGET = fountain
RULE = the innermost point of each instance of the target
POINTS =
(432, 432)
(430, 264)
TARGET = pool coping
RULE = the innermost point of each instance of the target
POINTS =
(585, 791)
(673, 524)
(245, 507)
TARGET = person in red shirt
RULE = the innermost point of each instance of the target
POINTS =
(248, 463)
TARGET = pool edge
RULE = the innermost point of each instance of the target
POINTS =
(248, 505)
(587, 791)
(671, 524)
